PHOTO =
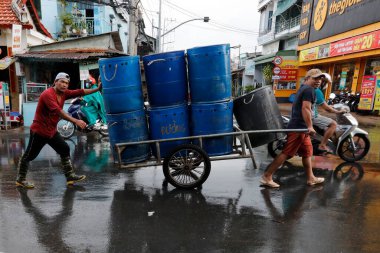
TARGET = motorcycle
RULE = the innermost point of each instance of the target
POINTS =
(350, 142)
(67, 128)
(355, 102)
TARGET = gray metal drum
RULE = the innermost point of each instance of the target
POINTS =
(258, 110)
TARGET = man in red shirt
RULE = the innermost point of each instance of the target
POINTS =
(44, 129)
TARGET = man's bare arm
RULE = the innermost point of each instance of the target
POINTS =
(307, 116)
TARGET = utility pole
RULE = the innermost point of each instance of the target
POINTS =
(163, 38)
(158, 42)
(132, 30)
(152, 27)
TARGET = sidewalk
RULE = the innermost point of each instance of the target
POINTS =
(365, 120)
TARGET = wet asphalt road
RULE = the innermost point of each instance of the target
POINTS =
(133, 211)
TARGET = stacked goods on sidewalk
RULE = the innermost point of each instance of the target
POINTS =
(123, 100)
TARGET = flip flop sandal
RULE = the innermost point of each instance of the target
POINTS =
(270, 184)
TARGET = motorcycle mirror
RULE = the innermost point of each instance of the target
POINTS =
(332, 96)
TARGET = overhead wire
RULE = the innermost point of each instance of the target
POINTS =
(146, 14)
(220, 29)
(212, 22)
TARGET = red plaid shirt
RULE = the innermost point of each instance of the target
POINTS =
(47, 112)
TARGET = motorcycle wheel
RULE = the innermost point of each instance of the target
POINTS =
(348, 153)
(66, 128)
(275, 147)
(187, 167)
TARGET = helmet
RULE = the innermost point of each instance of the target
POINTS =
(327, 77)
(326, 81)
(91, 80)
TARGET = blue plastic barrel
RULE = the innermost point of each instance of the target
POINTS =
(129, 127)
(121, 80)
(209, 73)
(168, 122)
(166, 78)
(213, 119)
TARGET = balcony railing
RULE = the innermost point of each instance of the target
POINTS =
(80, 27)
(287, 24)
(85, 23)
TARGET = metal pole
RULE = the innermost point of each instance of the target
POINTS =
(205, 19)
(158, 43)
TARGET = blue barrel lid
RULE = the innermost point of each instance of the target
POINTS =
(212, 106)
(209, 49)
(165, 55)
(119, 59)
(168, 108)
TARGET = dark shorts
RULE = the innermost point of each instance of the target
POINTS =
(298, 143)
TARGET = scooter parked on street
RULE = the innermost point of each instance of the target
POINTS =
(67, 128)
(349, 142)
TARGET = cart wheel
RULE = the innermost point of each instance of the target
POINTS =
(187, 166)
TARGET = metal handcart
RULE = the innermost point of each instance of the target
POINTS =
(188, 166)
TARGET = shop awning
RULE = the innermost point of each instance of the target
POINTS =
(264, 58)
(69, 54)
(6, 62)
(283, 5)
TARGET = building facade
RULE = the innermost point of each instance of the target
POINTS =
(19, 29)
(343, 38)
(278, 36)
(82, 32)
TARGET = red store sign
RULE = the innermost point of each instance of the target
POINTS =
(288, 75)
(356, 44)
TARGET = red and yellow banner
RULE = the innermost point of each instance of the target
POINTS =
(352, 45)
(367, 93)
(287, 69)
(376, 105)
(355, 44)
(309, 54)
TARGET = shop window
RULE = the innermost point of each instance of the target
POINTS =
(343, 76)
(269, 25)
(372, 67)
(34, 90)
(283, 85)
(291, 44)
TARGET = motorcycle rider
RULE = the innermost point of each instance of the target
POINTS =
(94, 107)
(44, 129)
(327, 124)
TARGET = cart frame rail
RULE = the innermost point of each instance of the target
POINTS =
(239, 149)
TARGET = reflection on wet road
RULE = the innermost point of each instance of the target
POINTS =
(136, 211)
